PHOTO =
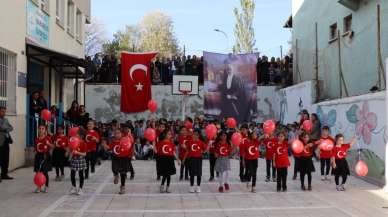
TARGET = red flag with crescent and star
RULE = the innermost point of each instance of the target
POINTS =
(135, 81)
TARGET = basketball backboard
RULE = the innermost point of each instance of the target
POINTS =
(185, 84)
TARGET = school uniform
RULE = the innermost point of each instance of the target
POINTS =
(306, 166)
(269, 144)
(166, 150)
(281, 163)
(251, 154)
(78, 164)
(195, 150)
(243, 171)
(42, 161)
(91, 155)
(182, 141)
(342, 166)
(120, 158)
(325, 158)
(59, 153)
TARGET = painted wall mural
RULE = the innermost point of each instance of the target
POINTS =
(364, 117)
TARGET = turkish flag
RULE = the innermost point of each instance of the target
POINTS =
(135, 81)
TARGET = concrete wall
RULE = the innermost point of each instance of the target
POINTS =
(359, 54)
(103, 103)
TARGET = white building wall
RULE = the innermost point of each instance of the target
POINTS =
(13, 34)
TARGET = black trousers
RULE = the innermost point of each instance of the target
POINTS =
(243, 171)
(296, 166)
(281, 178)
(212, 162)
(251, 167)
(325, 164)
(184, 170)
(4, 159)
(90, 158)
(269, 164)
(344, 178)
(192, 180)
(81, 178)
(302, 175)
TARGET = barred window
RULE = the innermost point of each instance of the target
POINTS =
(7, 67)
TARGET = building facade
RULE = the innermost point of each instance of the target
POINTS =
(41, 49)
(340, 44)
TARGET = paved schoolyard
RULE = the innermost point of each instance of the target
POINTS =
(142, 197)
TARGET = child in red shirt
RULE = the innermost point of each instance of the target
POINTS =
(306, 165)
(42, 163)
(269, 142)
(193, 157)
(338, 160)
(78, 164)
(251, 153)
(92, 138)
(182, 142)
(243, 170)
(325, 156)
(281, 162)
(166, 151)
(59, 153)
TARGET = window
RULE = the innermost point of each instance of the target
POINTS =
(45, 6)
(79, 26)
(348, 23)
(333, 32)
(70, 18)
(7, 67)
(60, 12)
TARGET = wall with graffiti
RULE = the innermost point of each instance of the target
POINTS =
(363, 116)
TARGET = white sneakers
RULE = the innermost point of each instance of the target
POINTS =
(323, 178)
(196, 189)
(76, 191)
(340, 188)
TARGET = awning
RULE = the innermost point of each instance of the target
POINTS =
(64, 63)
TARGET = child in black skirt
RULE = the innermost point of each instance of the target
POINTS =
(193, 157)
(42, 163)
(78, 164)
(120, 160)
(338, 161)
(306, 165)
(59, 153)
(165, 149)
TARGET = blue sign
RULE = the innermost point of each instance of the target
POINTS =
(38, 24)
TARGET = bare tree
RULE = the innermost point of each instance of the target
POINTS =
(95, 37)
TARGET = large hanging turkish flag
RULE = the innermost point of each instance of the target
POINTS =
(135, 81)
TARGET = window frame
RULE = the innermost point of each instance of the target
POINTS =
(333, 34)
(70, 18)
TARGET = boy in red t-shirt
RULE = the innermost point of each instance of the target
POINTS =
(92, 138)
(183, 138)
(59, 153)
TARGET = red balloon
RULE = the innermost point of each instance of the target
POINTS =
(211, 131)
(73, 131)
(307, 125)
(236, 139)
(39, 179)
(361, 168)
(152, 105)
(326, 145)
(150, 134)
(297, 146)
(231, 123)
(188, 125)
(269, 126)
(74, 143)
(45, 114)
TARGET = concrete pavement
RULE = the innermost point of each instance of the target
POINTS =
(142, 197)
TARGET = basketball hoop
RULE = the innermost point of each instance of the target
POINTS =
(185, 92)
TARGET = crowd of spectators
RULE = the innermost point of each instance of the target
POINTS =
(106, 69)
